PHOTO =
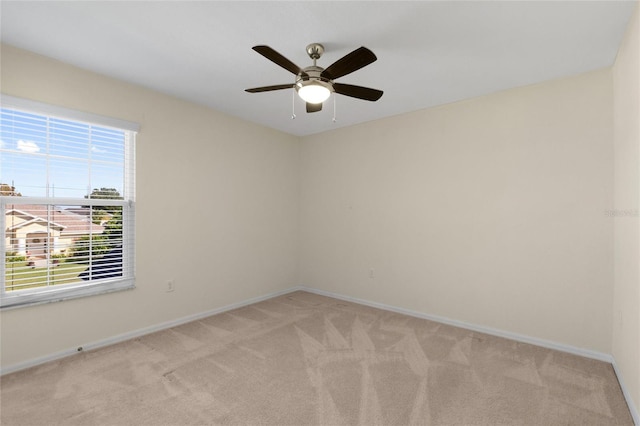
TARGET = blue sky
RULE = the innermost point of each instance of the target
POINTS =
(69, 158)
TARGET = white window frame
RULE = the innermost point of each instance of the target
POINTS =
(47, 294)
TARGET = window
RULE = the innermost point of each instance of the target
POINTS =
(67, 203)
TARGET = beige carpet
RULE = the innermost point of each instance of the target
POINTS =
(304, 359)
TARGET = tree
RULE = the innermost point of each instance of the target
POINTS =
(8, 190)
(110, 217)
(113, 228)
(96, 245)
(100, 214)
(105, 194)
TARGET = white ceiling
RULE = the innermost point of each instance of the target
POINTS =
(429, 53)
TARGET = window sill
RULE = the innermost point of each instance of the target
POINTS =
(24, 298)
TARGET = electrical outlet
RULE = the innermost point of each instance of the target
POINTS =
(170, 286)
(372, 274)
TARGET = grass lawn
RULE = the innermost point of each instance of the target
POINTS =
(19, 276)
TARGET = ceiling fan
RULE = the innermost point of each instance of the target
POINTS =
(314, 84)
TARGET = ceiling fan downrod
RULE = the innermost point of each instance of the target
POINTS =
(315, 51)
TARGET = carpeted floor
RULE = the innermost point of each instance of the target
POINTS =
(304, 359)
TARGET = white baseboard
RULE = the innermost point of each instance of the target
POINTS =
(139, 332)
(587, 353)
(474, 327)
(627, 395)
(481, 329)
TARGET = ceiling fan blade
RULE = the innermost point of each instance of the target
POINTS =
(278, 59)
(359, 92)
(314, 107)
(269, 88)
(355, 60)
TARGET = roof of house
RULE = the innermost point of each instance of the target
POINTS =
(68, 221)
(30, 220)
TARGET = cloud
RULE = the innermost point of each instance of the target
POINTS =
(98, 150)
(27, 146)
(2, 144)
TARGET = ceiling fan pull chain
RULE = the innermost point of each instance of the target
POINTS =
(334, 108)
(293, 104)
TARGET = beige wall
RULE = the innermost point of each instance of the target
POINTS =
(626, 308)
(488, 211)
(233, 184)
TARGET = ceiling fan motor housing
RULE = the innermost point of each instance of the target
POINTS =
(311, 76)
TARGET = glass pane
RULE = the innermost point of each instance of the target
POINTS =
(53, 157)
(107, 181)
(28, 174)
(68, 177)
(50, 245)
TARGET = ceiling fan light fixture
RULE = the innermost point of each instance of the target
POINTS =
(313, 92)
